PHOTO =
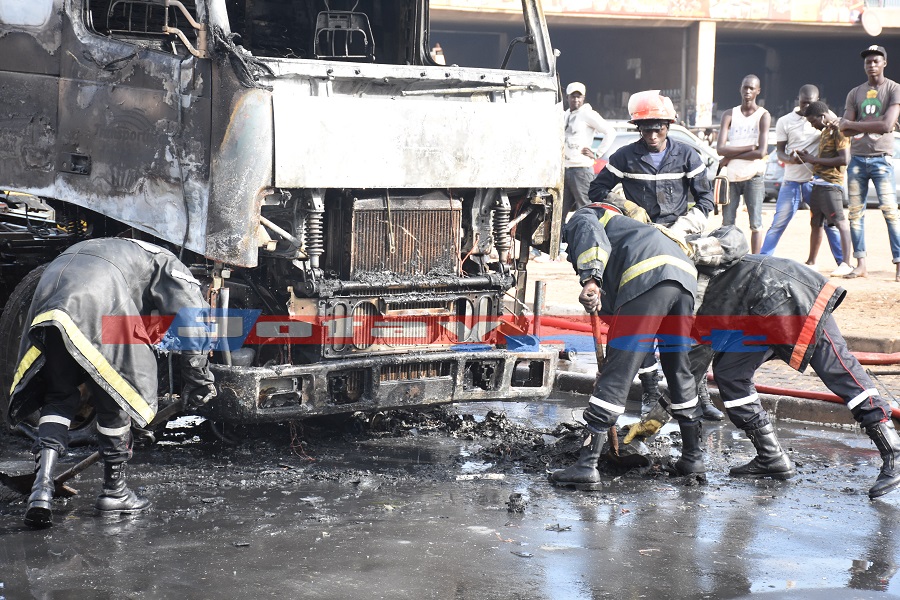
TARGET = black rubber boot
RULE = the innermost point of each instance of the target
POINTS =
(116, 497)
(650, 394)
(710, 412)
(888, 443)
(691, 460)
(771, 460)
(583, 475)
(39, 514)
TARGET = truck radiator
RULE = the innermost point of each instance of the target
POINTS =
(404, 236)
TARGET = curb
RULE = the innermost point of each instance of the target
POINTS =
(778, 407)
(882, 345)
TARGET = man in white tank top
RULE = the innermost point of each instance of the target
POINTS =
(742, 143)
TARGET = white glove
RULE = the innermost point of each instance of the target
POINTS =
(692, 222)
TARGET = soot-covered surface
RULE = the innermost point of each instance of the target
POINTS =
(455, 504)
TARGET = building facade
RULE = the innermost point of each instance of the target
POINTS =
(696, 51)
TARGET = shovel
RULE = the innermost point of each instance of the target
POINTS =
(23, 483)
(597, 329)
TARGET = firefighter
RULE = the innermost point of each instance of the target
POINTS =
(647, 283)
(798, 328)
(77, 295)
(668, 180)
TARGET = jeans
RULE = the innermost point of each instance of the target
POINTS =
(789, 198)
(880, 170)
(753, 190)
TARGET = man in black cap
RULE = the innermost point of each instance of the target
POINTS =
(870, 114)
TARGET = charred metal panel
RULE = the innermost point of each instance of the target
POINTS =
(28, 130)
(375, 383)
(241, 169)
(30, 36)
(30, 41)
(24, 53)
(121, 111)
(414, 142)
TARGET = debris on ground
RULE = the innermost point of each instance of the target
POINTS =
(516, 503)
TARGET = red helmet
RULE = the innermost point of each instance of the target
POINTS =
(649, 105)
(607, 206)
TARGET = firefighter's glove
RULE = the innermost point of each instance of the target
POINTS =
(590, 295)
(691, 223)
(642, 430)
(198, 380)
(636, 212)
(195, 397)
(677, 237)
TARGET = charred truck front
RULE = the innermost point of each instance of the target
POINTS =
(364, 212)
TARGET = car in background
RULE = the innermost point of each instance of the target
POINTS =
(626, 133)
(775, 174)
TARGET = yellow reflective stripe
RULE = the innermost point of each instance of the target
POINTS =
(605, 217)
(99, 362)
(653, 263)
(30, 356)
(591, 254)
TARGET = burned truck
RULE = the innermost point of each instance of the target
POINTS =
(362, 213)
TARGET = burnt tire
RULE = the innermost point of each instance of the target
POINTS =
(12, 326)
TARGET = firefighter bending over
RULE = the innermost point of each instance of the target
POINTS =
(798, 328)
(63, 348)
(647, 283)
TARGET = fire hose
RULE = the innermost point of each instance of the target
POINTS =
(808, 394)
(865, 358)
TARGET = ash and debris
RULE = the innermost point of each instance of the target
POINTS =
(495, 441)
(391, 448)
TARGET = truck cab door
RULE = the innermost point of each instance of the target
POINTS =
(133, 110)
(29, 80)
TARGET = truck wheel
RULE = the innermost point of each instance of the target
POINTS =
(12, 325)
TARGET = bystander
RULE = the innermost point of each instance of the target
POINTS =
(870, 115)
(793, 134)
(742, 142)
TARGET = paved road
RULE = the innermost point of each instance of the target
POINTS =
(422, 516)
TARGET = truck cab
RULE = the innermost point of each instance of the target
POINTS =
(361, 212)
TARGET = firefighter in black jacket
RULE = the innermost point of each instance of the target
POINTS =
(754, 308)
(668, 180)
(647, 283)
(79, 292)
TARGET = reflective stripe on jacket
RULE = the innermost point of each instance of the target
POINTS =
(628, 256)
(665, 193)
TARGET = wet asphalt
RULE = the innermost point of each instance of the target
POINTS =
(424, 515)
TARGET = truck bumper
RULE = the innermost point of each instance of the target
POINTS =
(285, 392)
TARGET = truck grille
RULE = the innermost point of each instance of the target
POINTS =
(410, 371)
(425, 237)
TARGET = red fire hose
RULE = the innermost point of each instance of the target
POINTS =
(826, 396)
(865, 358)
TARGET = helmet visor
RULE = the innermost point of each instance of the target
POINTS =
(651, 125)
